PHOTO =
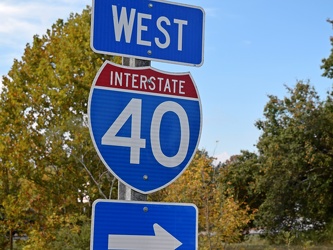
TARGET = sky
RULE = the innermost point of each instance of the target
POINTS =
(252, 49)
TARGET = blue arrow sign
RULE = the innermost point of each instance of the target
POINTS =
(143, 225)
(147, 29)
(145, 124)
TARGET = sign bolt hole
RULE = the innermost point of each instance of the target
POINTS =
(150, 5)
(145, 209)
(149, 52)
(145, 177)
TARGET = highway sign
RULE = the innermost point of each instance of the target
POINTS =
(143, 225)
(149, 29)
(145, 124)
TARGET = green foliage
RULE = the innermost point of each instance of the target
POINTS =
(238, 179)
(327, 65)
(73, 234)
(296, 151)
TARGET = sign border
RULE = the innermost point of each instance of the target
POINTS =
(148, 57)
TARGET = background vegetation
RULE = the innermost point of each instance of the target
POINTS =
(50, 173)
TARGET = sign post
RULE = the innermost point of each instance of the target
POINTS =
(125, 192)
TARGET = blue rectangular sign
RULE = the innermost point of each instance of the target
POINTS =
(143, 225)
(148, 29)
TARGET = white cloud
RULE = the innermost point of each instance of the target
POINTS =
(12, 25)
(26, 19)
(21, 20)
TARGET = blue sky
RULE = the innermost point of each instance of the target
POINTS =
(252, 49)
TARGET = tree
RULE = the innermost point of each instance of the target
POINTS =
(238, 180)
(296, 154)
(196, 185)
(238, 177)
(327, 65)
(48, 166)
(221, 218)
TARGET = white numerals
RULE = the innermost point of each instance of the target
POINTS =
(155, 131)
(135, 142)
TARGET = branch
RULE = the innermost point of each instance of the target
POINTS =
(91, 176)
(111, 188)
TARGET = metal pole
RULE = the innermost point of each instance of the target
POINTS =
(124, 192)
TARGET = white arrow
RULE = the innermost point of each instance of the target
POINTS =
(162, 240)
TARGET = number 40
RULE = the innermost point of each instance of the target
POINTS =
(135, 142)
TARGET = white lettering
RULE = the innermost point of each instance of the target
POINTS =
(127, 75)
(165, 33)
(143, 82)
(181, 86)
(142, 28)
(160, 79)
(111, 78)
(134, 80)
(180, 32)
(174, 85)
(123, 23)
(152, 85)
(167, 86)
(118, 78)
